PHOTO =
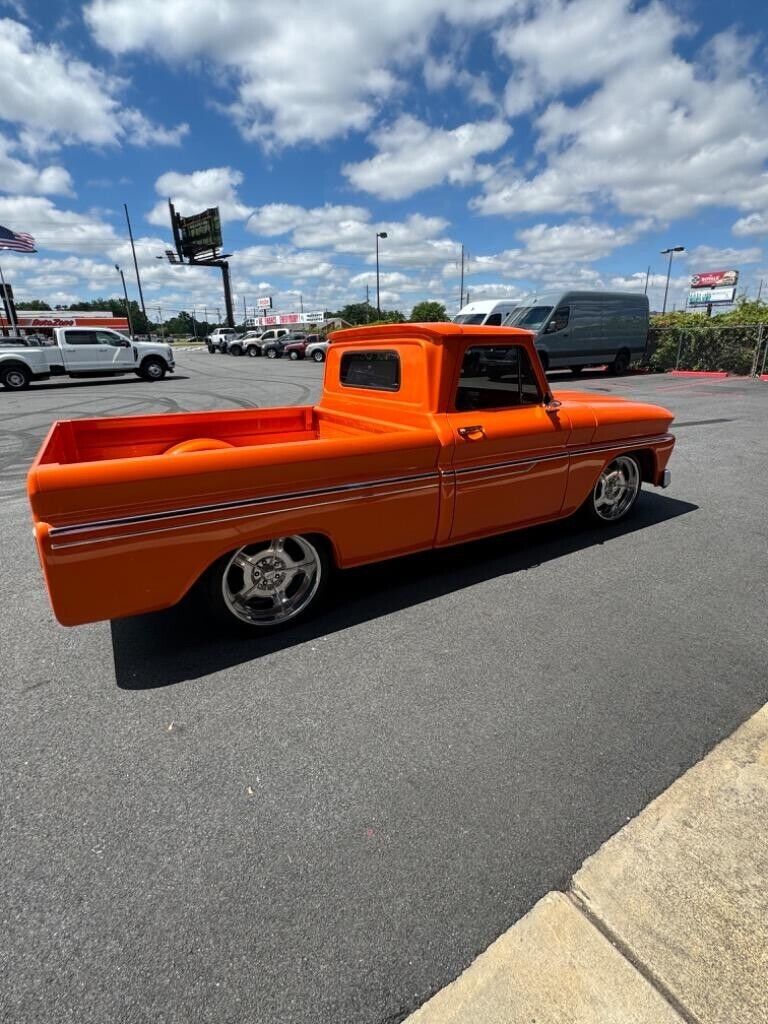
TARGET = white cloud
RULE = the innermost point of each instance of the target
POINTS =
(52, 228)
(192, 193)
(714, 257)
(285, 93)
(655, 135)
(18, 176)
(55, 98)
(754, 224)
(577, 240)
(413, 156)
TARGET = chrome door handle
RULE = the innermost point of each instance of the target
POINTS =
(469, 431)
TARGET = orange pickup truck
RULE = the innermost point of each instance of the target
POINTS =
(425, 435)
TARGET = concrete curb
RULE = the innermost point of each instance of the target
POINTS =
(711, 374)
(667, 922)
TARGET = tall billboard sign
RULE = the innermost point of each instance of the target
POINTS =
(200, 233)
(265, 302)
(713, 287)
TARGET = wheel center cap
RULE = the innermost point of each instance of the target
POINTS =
(269, 573)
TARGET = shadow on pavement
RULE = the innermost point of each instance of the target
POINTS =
(179, 644)
(103, 382)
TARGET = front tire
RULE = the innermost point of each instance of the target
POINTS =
(15, 378)
(318, 356)
(235, 350)
(617, 489)
(271, 353)
(253, 351)
(293, 355)
(152, 369)
(263, 587)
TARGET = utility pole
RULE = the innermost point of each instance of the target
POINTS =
(301, 303)
(127, 304)
(647, 275)
(245, 313)
(160, 319)
(367, 304)
(205, 314)
(194, 325)
(218, 316)
(379, 234)
(461, 287)
(136, 267)
(760, 290)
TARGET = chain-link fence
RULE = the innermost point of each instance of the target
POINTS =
(736, 348)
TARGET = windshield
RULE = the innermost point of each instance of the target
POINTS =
(469, 318)
(528, 316)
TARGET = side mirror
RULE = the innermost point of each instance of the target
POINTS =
(125, 343)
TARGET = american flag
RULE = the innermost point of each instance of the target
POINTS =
(20, 242)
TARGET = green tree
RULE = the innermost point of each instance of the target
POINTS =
(117, 308)
(428, 312)
(35, 304)
(356, 313)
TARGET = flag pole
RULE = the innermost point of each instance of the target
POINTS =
(8, 305)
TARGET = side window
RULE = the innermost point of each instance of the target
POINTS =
(379, 371)
(82, 338)
(109, 338)
(494, 320)
(498, 377)
(559, 319)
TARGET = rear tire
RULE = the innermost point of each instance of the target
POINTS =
(252, 351)
(15, 377)
(318, 356)
(152, 369)
(271, 353)
(621, 363)
(235, 350)
(265, 587)
(293, 355)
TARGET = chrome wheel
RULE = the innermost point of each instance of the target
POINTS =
(269, 583)
(15, 380)
(616, 489)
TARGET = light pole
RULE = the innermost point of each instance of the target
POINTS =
(127, 306)
(671, 252)
(379, 234)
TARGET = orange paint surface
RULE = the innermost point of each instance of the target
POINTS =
(130, 511)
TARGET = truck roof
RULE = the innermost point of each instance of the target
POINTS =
(437, 333)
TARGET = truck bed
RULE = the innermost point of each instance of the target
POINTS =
(97, 440)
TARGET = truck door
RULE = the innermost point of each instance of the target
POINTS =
(118, 352)
(82, 351)
(510, 460)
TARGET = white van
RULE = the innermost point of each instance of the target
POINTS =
(490, 312)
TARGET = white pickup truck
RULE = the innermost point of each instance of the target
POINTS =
(81, 352)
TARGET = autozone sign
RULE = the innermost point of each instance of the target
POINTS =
(50, 321)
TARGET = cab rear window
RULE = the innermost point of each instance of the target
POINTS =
(377, 371)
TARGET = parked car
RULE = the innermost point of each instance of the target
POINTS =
(255, 346)
(238, 346)
(219, 338)
(274, 349)
(408, 449)
(317, 350)
(83, 352)
(296, 349)
(576, 329)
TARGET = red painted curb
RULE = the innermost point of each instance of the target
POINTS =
(712, 374)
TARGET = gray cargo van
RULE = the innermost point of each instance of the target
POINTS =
(577, 329)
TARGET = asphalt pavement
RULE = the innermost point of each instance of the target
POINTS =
(329, 825)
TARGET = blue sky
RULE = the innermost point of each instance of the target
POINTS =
(563, 142)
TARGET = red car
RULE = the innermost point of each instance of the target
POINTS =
(296, 349)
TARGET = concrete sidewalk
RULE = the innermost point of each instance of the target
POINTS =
(666, 924)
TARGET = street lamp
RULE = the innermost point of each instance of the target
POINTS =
(127, 306)
(670, 252)
(379, 234)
